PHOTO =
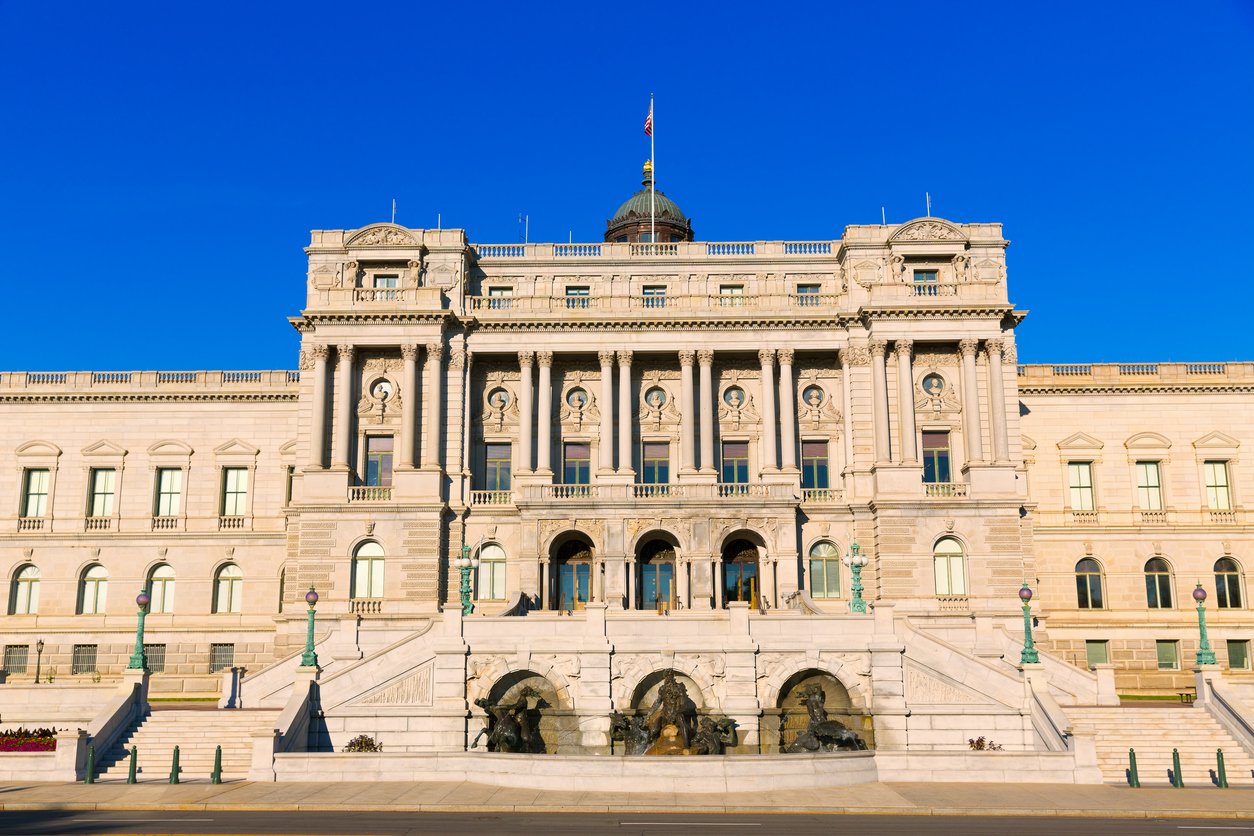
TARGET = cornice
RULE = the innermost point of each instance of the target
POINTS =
(308, 321)
(143, 397)
(1134, 389)
(869, 314)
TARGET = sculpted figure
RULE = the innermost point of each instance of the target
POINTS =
(672, 708)
(631, 730)
(713, 736)
(822, 735)
(509, 727)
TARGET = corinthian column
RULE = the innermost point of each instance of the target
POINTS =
(879, 398)
(624, 413)
(343, 405)
(905, 400)
(525, 389)
(544, 417)
(787, 411)
(687, 450)
(997, 397)
(972, 431)
(767, 358)
(432, 408)
(409, 402)
(318, 430)
(605, 445)
(705, 359)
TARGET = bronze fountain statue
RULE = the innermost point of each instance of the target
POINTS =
(671, 728)
(822, 735)
(510, 727)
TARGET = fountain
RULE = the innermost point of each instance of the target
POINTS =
(510, 727)
(671, 726)
(822, 734)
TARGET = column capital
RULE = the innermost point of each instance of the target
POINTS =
(968, 346)
(544, 359)
(785, 356)
(624, 358)
(320, 350)
(409, 352)
(854, 355)
(905, 347)
(345, 351)
(526, 358)
(877, 348)
(706, 356)
(993, 347)
(435, 351)
(686, 357)
(766, 356)
(458, 358)
(606, 358)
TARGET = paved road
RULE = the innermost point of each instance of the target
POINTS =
(628, 824)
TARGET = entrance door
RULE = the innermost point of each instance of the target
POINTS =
(740, 572)
(657, 576)
(572, 586)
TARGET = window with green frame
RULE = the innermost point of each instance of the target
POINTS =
(498, 465)
(379, 461)
(655, 463)
(576, 463)
(936, 456)
(736, 462)
(825, 570)
(814, 468)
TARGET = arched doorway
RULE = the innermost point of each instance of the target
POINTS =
(656, 582)
(572, 574)
(741, 579)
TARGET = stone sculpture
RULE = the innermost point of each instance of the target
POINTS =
(671, 727)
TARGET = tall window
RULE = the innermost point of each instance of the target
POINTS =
(161, 588)
(234, 491)
(93, 590)
(230, 589)
(1227, 583)
(379, 460)
(490, 583)
(814, 464)
(576, 463)
(655, 296)
(35, 492)
(1088, 584)
(947, 561)
(574, 575)
(808, 295)
(1149, 492)
(655, 463)
(1080, 481)
(24, 597)
(736, 462)
(577, 297)
(740, 572)
(657, 575)
(169, 491)
(1218, 497)
(936, 457)
(498, 465)
(824, 570)
(368, 571)
(1157, 584)
(103, 480)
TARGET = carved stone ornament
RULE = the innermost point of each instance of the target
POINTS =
(457, 358)
(320, 351)
(382, 236)
(735, 407)
(928, 231)
(381, 402)
(657, 407)
(868, 273)
(785, 356)
(414, 689)
(855, 355)
(382, 365)
(815, 407)
(935, 395)
(305, 363)
(606, 358)
(924, 688)
(962, 268)
(593, 529)
(968, 346)
(500, 407)
(527, 358)
(876, 347)
(543, 358)
(408, 352)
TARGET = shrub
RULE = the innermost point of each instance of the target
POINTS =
(980, 744)
(363, 743)
(28, 740)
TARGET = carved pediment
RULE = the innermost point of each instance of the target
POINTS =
(103, 448)
(170, 447)
(39, 448)
(928, 229)
(413, 688)
(1216, 441)
(1080, 443)
(235, 447)
(383, 235)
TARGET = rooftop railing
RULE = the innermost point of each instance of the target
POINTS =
(687, 250)
(509, 307)
(148, 380)
(1134, 374)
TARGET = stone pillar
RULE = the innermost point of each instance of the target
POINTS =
(343, 406)
(767, 358)
(879, 398)
(997, 396)
(630, 562)
(705, 358)
(409, 403)
(544, 414)
(318, 431)
(624, 414)
(432, 407)
(605, 445)
(905, 401)
(787, 412)
(545, 603)
(525, 410)
(455, 452)
(972, 431)
(683, 592)
(687, 449)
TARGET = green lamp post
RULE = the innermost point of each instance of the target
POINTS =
(855, 560)
(309, 659)
(1205, 656)
(464, 564)
(1029, 656)
(138, 661)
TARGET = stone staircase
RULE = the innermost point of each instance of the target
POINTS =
(1153, 731)
(197, 732)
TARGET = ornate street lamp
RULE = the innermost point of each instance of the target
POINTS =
(464, 564)
(1205, 656)
(309, 659)
(1029, 656)
(138, 661)
(39, 658)
(855, 561)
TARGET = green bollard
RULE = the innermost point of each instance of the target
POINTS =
(90, 778)
(174, 767)
(216, 777)
(130, 775)
(1223, 773)
(1134, 780)
(1177, 780)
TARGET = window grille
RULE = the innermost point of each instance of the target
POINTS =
(154, 656)
(84, 659)
(221, 657)
(15, 658)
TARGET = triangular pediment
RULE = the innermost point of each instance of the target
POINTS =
(1216, 441)
(1080, 442)
(235, 447)
(104, 447)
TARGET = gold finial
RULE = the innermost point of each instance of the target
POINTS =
(648, 166)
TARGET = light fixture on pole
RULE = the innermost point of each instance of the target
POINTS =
(1205, 656)
(855, 560)
(464, 564)
(1029, 656)
(139, 661)
(309, 659)
(39, 658)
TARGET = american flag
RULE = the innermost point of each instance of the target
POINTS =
(648, 121)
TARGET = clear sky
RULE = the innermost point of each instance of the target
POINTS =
(161, 164)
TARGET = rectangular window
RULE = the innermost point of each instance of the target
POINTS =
(15, 658)
(154, 657)
(1168, 655)
(656, 463)
(84, 659)
(925, 282)
(1098, 652)
(1238, 654)
(500, 298)
(577, 297)
(221, 657)
(736, 462)
(1080, 482)
(169, 491)
(379, 461)
(814, 465)
(35, 492)
(577, 463)
(936, 457)
(102, 486)
(1217, 496)
(808, 295)
(731, 295)
(234, 491)
(655, 296)
(289, 473)
(386, 282)
(1149, 492)
(497, 463)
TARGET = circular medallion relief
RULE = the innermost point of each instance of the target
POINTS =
(812, 396)
(734, 397)
(381, 389)
(933, 384)
(498, 398)
(576, 398)
(655, 397)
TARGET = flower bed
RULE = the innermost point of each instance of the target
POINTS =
(28, 740)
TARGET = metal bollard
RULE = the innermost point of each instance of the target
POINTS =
(130, 775)
(216, 777)
(174, 767)
(1134, 780)
(1177, 780)
(1223, 773)
(90, 777)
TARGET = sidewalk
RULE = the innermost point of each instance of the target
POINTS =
(921, 799)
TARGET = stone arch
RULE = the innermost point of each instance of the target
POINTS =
(840, 705)
(572, 571)
(745, 531)
(627, 688)
(656, 532)
(743, 561)
(774, 687)
(568, 531)
(552, 712)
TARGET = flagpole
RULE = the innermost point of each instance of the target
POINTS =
(652, 181)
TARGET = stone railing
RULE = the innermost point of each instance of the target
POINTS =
(491, 498)
(97, 523)
(1222, 517)
(231, 523)
(945, 490)
(167, 523)
(685, 250)
(1153, 517)
(953, 603)
(1084, 517)
(510, 307)
(822, 496)
(369, 493)
(1133, 375)
(755, 491)
(149, 381)
(1136, 517)
(30, 524)
(379, 294)
(657, 491)
(366, 606)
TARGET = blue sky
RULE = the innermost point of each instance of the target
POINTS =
(161, 164)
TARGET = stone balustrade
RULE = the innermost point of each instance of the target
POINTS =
(508, 308)
(945, 490)
(680, 250)
(1132, 375)
(145, 381)
(1175, 517)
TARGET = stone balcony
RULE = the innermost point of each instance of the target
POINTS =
(668, 307)
(1133, 517)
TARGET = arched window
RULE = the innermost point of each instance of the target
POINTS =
(24, 597)
(490, 582)
(368, 571)
(1088, 584)
(947, 561)
(229, 591)
(1157, 584)
(1227, 584)
(573, 575)
(656, 586)
(740, 572)
(825, 570)
(161, 588)
(93, 589)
